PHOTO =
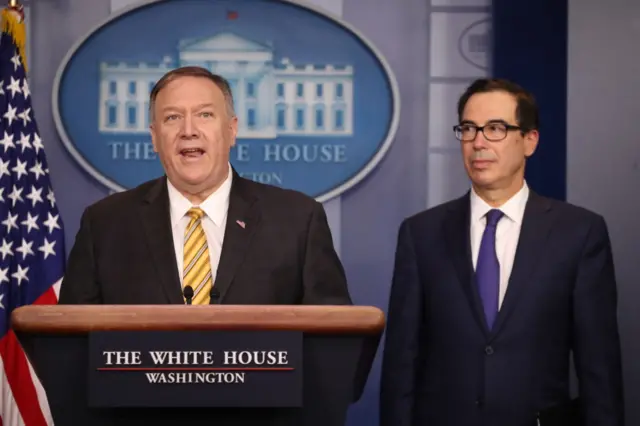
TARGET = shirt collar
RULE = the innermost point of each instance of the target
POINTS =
(215, 206)
(513, 208)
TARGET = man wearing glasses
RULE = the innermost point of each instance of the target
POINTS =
(493, 292)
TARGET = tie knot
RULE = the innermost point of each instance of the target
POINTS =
(195, 213)
(493, 217)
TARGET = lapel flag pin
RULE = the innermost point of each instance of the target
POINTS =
(241, 223)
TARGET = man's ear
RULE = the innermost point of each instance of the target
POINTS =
(233, 128)
(531, 142)
(154, 138)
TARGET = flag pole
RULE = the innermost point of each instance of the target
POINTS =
(16, 6)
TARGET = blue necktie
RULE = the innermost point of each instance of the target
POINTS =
(488, 268)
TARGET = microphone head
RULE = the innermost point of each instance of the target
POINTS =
(187, 292)
(214, 295)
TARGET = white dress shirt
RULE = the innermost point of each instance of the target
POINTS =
(215, 208)
(507, 232)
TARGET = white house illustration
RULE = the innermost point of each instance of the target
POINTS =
(270, 98)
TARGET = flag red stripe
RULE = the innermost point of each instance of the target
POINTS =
(19, 378)
(46, 298)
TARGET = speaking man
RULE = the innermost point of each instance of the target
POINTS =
(493, 291)
(202, 232)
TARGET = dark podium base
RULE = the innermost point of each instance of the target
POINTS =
(333, 378)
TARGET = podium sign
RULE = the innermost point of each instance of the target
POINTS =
(216, 368)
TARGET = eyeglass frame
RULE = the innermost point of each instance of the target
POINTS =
(508, 127)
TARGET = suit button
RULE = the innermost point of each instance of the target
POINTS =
(479, 403)
(488, 350)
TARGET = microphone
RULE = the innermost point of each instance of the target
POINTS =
(214, 296)
(187, 292)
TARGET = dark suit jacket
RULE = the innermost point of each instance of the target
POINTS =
(124, 252)
(443, 367)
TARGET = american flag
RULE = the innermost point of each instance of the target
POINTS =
(32, 253)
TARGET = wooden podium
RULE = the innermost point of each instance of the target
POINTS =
(338, 345)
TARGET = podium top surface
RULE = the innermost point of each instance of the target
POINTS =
(62, 319)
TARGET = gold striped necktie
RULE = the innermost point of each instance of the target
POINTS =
(197, 267)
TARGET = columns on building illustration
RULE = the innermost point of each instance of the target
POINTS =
(268, 100)
(241, 68)
(124, 95)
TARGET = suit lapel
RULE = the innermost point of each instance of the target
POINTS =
(242, 222)
(156, 222)
(536, 225)
(457, 228)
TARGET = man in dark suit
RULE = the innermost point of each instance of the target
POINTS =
(493, 291)
(202, 233)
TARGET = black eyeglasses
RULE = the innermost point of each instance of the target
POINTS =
(491, 131)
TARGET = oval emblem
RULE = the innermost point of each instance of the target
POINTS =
(474, 44)
(317, 104)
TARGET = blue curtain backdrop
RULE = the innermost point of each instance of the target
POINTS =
(530, 48)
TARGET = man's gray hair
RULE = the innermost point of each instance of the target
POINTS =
(192, 71)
